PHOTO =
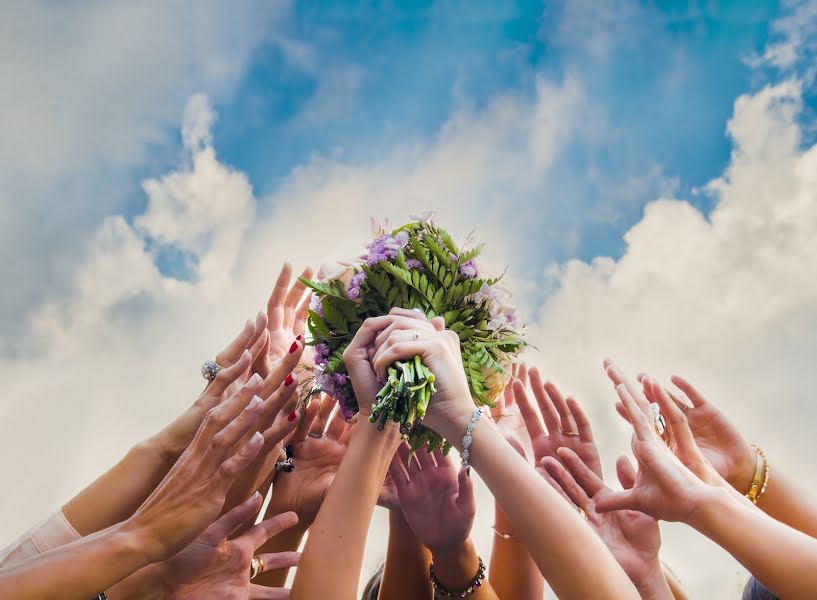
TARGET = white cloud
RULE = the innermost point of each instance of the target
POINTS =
(793, 40)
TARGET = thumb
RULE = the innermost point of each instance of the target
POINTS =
(465, 500)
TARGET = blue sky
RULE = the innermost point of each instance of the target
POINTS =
(662, 75)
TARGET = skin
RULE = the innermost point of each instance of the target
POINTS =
(731, 455)
(214, 566)
(512, 572)
(438, 503)
(338, 535)
(581, 569)
(405, 574)
(665, 488)
(181, 508)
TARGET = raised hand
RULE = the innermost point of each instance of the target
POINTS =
(192, 494)
(719, 440)
(287, 309)
(633, 537)
(437, 499)
(507, 415)
(663, 488)
(216, 567)
(318, 446)
(566, 425)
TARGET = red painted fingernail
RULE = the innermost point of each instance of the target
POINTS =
(300, 337)
(293, 348)
(292, 416)
(288, 381)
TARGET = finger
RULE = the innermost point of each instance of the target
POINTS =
(280, 430)
(367, 333)
(283, 369)
(306, 422)
(281, 401)
(565, 480)
(581, 420)
(227, 376)
(625, 472)
(622, 412)
(294, 298)
(581, 473)
(301, 315)
(260, 347)
(230, 468)
(327, 404)
(614, 373)
(408, 312)
(275, 304)
(273, 561)
(269, 528)
(641, 426)
(423, 459)
(465, 499)
(693, 394)
(549, 413)
(611, 501)
(261, 592)
(676, 419)
(401, 337)
(565, 416)
(553, 483)
(235, 518)
(402, 324)
(242, 341)
(438, 323)
(223, 443)
(529, 414)
(498, 411)
(337, 425)
(398, 473)
(399, 351)
(218, 417)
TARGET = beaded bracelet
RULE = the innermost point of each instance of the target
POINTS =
(466, 441)
(758, 488)
(442, 592)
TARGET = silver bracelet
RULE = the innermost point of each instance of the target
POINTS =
(467, 440)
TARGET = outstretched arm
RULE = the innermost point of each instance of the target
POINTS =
(405, 575)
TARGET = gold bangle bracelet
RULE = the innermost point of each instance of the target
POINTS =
(760, 481)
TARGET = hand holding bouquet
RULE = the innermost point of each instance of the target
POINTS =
(417, 266)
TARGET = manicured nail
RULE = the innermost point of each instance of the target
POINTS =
(255, 497)
(254, 380)
(468, 471)
(248, 324)
(293, 348)
(300, 337)
(288, 381)
(257, 438)
(292, 416)
(253, 403)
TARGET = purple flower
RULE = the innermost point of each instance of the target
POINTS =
(316, 306)
(469, 269)
(334, 384)
(354, 285)
(385, 247)
(413, 264)
(322, 355)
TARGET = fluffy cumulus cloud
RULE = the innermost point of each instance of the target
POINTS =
(727, 298)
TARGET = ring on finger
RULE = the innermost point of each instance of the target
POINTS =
(210, 369)
(570, 433)
(256, 567)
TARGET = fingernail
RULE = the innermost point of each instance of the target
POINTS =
(257, 437)
(293, 348)
(254, 380)
(292, 416)
(256, 497)
(300, 337)
(248, 324)
(288, 381)
(468, 471)
(246, 354)
(253, 403)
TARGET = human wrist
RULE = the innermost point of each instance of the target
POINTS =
(142, 540)
(742, 475)
(711, 504)
(651, 583)
(456, 565)
(161, 447)
(454, 422)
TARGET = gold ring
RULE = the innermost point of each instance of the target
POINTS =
(684, 407)
(570, 433)
(256, 567)
(583, 513)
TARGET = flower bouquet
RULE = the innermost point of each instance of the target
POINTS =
(416, 266)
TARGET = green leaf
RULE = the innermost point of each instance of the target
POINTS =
(472, 253)
(333, 315)
(318, 327)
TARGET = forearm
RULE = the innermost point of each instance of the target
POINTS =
(786, 502)
(653, 585)
(512, 572)
(146, 584)
(283, 542)
(457, 567)
(79, 570)
(117, 494)
(405, 575)
(674, 584)
(338, 535)
(583, 568)
(784, 559)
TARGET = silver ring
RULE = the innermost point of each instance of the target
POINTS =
(210, 369)
(287, 466)
(416, 335)
(658, 419)
(315, 434)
